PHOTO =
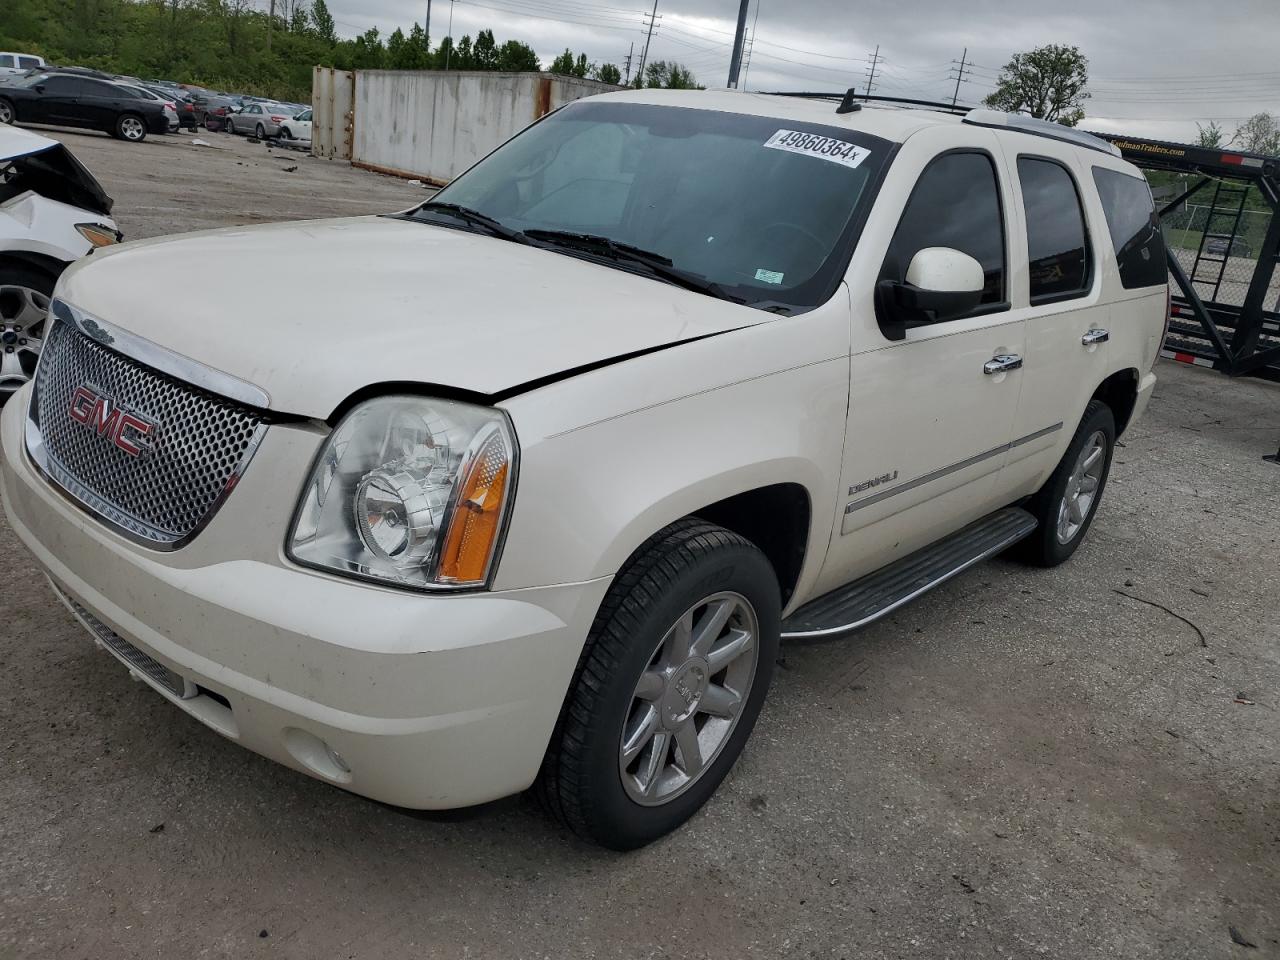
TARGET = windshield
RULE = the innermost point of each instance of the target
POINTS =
(766, 209)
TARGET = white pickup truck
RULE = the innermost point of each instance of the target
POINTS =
(529, 483)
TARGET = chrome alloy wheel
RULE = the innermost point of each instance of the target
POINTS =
(22, 315)
(6, 112)
(686, 703)
(1082, 487)
(132, 129)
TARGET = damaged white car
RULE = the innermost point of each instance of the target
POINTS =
(52, 213)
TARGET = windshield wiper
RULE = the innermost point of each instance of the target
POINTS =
(658, 265)
(476, 219)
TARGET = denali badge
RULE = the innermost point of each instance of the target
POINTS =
(873, 482)
(100, 414)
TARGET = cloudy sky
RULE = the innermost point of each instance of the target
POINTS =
(1156, 66)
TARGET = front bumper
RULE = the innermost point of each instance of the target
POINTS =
(429, 701)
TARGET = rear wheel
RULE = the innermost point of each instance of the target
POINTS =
(228, 126)
(1067, 503)
(668, 687)
(131, 128)
(24, 308)
(6, 111)
(259, 132)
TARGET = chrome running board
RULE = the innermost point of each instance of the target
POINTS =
(877, 594)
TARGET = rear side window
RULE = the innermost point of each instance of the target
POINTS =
(96, 88)
(955, 203)
(1134, 227)
(1057, 242)
(62, 86)
(6, 60)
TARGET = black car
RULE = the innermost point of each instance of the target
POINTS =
(74, 100)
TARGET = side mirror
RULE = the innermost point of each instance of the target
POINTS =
(39, 88)
(941, 284)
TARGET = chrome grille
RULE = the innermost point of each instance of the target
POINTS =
(164, 495)
(126, 651)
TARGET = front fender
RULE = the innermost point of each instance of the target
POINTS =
(611, 457)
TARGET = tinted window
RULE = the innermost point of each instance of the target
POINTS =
(6, 60)
(1057, 244)
(60, 86)
(955, 203)
(29, 63)
(96, 88)
(1134, 227)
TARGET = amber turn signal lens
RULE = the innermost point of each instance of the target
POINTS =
(477, 518)
(97, 234)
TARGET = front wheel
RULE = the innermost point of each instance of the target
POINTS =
(285, 134)
(668, 688)
(260, 133)
(7, 114)
(24, 308)
(131, 128)
(229, 127)
(1068, 502)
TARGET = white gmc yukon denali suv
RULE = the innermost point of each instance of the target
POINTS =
(530, 481)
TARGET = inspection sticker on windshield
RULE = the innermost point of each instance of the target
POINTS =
(813, 145)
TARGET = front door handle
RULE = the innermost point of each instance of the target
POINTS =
(1095, 335)
(1002, 363)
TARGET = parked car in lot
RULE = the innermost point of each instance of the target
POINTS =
(16, 64)
(665, 379)
(72, 100)
(298, 127)
(1228, 246)
(260, 120)
(52, 212)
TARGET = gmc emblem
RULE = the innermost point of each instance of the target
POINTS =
(100, 414)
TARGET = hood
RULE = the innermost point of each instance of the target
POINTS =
(48, 168)
(312, 312)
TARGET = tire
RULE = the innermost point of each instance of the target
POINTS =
(131, 128)
(7, 112)
(22, 289)
(284, 134)
(229, 127)
(683, 574)
(1060, 533)
(259, 132)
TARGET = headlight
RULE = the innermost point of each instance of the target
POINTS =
(409, 491)
(97, 234)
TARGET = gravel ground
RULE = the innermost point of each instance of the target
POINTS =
(1074, 763)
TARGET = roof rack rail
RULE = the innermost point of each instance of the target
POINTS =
(1039, 128)
(852, 98)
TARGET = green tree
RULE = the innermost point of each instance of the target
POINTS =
(298, 20)
(1259, 134)
(563, 64)
(1210, 136)
(609, 73)
(669, 75)
(484, 53)
(517, 57)
(369, 54)
(1048, 83)
(322, 19)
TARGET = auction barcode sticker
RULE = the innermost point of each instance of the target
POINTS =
(815, 145)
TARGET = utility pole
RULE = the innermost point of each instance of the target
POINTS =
(427, 38)
(271, 22)
(448, 54)
(871, 71)
(739, 38)
(630, 54)
(960, 75)
(644, 55)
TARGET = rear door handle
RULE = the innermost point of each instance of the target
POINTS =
(1002, 363)
(1095, 335)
